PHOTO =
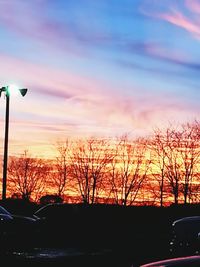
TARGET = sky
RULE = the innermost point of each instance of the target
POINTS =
(97, 68)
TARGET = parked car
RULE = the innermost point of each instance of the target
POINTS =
(4, 214)
(58, 224)
(52, 210)
(77, 225)
(189, 261)
(56, 215)
(15, 230)
(185, 236)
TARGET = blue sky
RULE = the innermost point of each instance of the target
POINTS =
(97, 68)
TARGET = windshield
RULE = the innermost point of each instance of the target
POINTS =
(4, 211)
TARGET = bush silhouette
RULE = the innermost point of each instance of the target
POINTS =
(47, 199)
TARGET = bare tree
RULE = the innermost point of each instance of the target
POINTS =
(173, 170)
(129, 169)
(27, 176)
(169, 157)
(158, 145)
(89, 161)
(188, 144)
(61, 169)
(176, 159)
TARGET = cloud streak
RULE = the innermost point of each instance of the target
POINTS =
(30, 20)
(187, 21)
(159, 52)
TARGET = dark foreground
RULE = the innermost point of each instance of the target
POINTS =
(99, 236)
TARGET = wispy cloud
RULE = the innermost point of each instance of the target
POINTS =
(31, 20)
(186, 19)
(46, 80)
(180, 20)
(86, 106)
(193, 5)
(159, 52)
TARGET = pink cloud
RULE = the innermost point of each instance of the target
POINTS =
(45, 79)
(176, 16)
(60, 104)
(193, 5)
(178, 19)
(31, 20)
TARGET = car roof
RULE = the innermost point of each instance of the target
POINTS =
(181, 261)
(187, 219)
(53, 206)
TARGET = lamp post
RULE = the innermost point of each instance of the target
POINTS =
(7, 90)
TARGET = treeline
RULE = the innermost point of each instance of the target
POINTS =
(159, 170)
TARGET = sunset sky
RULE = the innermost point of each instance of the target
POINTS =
(97, 68)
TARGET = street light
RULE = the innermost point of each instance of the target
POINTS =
(8, 90)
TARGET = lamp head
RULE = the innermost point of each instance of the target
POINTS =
(2, 89)
(23, 91)
(13, 90)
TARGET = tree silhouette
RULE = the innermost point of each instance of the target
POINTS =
(188, 143)
(177, 155)
(129, 169)
(61, 168)
(27, 175)
(89, 162)
(158, 145)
